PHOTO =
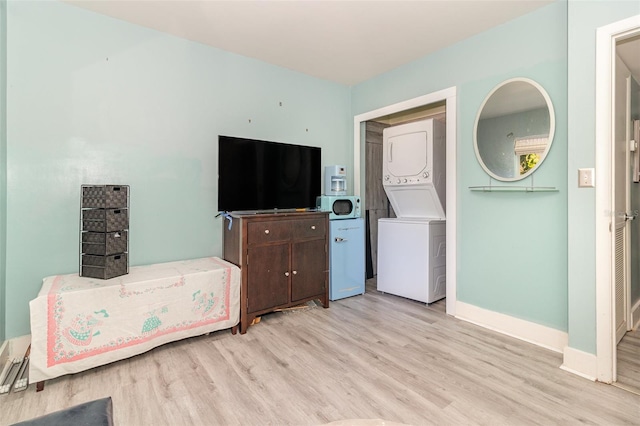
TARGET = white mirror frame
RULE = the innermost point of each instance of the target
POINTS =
(552, 128)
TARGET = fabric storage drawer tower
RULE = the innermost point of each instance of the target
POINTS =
(104, 231)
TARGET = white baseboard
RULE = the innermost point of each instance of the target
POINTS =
(581, 363)
(635, 315)
(537, 334)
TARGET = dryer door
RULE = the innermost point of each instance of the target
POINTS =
(406, 154)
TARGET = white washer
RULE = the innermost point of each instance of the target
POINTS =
(412, 258)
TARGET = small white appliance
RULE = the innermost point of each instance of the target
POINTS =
(335, 180)
(339, 206)
(412, 247)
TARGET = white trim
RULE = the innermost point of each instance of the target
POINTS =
(628, 179)
(540, 335)
(606, 38)
(635, 316)
(452, 204)
(603, 195)
(581, 363)
(449, 96)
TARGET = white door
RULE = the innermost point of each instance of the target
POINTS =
(622, 181)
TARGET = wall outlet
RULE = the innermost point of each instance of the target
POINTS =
(586, 178)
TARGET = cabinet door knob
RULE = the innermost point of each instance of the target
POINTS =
(266, 231)
(286, 274)
(313, 227)
(295, 272)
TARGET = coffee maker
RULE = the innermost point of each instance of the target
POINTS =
(335, 180)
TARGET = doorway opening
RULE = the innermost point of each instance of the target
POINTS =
(627, 185)
(447, 98)
(609, 268)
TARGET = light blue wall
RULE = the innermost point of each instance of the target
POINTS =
(97, 100)
(584, 17)
(512, 247)
(92, 100)
(3, 161)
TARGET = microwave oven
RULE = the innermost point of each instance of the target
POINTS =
(339, 206)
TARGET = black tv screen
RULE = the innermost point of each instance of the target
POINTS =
(261, 175)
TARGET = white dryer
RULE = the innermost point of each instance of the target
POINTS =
(414, 169)
(412, 247)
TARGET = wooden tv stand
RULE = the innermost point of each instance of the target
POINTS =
(283, 259)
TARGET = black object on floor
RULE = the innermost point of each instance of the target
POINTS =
(92, 413)
(368, 258)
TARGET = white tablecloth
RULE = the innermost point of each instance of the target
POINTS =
(79, 323)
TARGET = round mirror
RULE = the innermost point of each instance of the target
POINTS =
(514, 129)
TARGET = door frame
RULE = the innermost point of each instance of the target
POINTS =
(449, 96)
(606, 39)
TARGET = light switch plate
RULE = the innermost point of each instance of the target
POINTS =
(586, 178)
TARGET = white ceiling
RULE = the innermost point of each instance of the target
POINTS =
(343, 41)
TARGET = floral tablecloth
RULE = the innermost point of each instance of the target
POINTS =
(79, 323)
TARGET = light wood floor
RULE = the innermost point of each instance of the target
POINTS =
(629, 362)
(375, 356)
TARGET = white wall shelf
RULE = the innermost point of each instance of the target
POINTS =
(512, 188)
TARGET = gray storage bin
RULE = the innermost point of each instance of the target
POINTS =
(104, 235)
(105, 196)
(105, 220)
(104, 267)
(104, 243)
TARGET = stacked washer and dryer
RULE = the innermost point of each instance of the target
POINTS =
(412, 246)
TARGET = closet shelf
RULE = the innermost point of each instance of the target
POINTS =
(511, 188)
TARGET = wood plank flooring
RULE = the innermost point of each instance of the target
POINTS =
(629, 361)
(374, 356)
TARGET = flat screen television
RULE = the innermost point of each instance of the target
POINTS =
(255, 175)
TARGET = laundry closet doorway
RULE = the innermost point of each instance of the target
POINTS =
(442, 103)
